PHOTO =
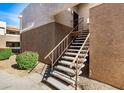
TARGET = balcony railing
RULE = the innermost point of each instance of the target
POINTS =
(14, 47)
(12, 34)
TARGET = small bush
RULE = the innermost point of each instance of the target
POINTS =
(27, 60)
(5, 53)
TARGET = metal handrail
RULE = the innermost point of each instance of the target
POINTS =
(63, 51)
(84, 57)
(80, 51)
(63, 41)
(76, 60)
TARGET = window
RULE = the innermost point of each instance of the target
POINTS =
(15, 46)
(2, 30)
(12, 44)
(12, 32)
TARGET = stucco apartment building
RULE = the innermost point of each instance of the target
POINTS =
(9, 37)
(45, 25)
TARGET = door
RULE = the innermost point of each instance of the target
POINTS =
(75, 21)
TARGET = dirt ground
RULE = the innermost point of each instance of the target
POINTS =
(10, 67)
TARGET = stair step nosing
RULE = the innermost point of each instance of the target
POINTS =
(65, 63)
(74, 54)
(77, 50)
(62, 77)
(65, 69)
(68, 57)
(58, 84)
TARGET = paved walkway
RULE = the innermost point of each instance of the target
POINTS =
(12, 82)
(33, 82)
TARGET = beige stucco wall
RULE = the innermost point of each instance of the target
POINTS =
(11, 38)
(3, 25)
(84, 12)
(107, 44)
(38, 14)
(65, 17)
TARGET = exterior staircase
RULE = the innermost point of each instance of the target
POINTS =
(63, 74)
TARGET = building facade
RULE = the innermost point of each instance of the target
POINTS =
(9, 37)
(45, 25)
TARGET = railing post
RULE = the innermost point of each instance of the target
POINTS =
(63, 46)
(76, 79)
(66, 42)
(52, 61)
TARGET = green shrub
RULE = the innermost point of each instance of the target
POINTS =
(5, 53)
(27, 60)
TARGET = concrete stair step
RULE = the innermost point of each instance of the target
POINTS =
(71, 46)
(74, 43)
(78, 40)
(70, 53)
(57, 84)
(76, 50)
(74, 54)
(63, 77)
(78, 47)
(64, 62)
(79, 44)
(65, 69)
(85, 31)
(68, 58)
(63, 74)
(83, 35)
(68, 63)
(85, 46)
(72, 50)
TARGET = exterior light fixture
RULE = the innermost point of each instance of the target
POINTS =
(20, 16)
(88, 21)
(69, 9)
